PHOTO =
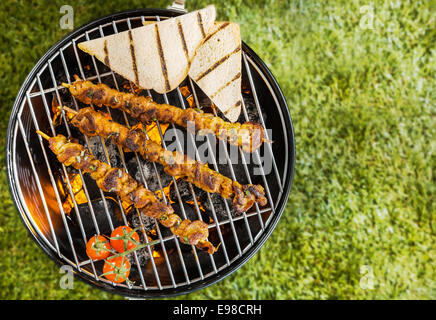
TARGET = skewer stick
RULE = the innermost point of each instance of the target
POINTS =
(69, 110)
(42, 134)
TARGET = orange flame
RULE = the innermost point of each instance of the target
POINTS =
(188, 95)
(57, 112)
(153, 131)
(197, 200)
(78, 192)
(166, 191)
(132, 86)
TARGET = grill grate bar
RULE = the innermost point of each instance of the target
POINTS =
(145, 184)
(268, 145)
(194, 250)
(229, 162)
(100, 191)
(70, 240)
(53, 89)
(63, 166)
(44, 203)
(191, 136)
(182, 207)
(215, 165)
(121, 152)
(107, 160)
(179, 199)
(66, 176)
(67, 180)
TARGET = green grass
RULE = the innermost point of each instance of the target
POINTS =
(363, 102)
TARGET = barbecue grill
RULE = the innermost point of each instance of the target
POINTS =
(39, 184)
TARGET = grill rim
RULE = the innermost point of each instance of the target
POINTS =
(166, 292)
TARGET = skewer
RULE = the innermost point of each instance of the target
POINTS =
(249, 135)
(76, 77)
(43, 135)
(69, 110)
(175, 163)
(111, 179)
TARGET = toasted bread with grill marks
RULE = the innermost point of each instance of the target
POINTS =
(158, 55)
(217, 68)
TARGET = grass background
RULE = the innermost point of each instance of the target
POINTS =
(363, 106)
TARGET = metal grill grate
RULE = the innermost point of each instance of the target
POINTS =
(42, 208)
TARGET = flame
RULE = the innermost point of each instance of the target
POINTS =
(185, 91)
(245, 89)
(166, 191)
(57, 113)
(126, 205)
(197, 200)
(107, 116)
(133, 87)
(153, 131)
(156, 254)
(188, 95)
(77, 189)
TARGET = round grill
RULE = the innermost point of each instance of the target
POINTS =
(40, 184)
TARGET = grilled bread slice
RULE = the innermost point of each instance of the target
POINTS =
(216, 68)
(155, 56)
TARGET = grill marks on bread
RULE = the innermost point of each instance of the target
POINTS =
(236, 77)
(162, 58)
(182, 38)
(133, 55)
(218, 63)
(217, 68)
(155, 56)
(200, 24)
(221, 27)
(106, 54)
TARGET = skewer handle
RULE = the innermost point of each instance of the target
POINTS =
(42, 134)
(69, 110)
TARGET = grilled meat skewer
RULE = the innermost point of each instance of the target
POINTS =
(93, 123)
(119, 181)
(249, 135)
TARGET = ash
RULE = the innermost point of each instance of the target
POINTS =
(145, 170)
(96, 145)
(184, 191)
(135, 221)
(217, 203)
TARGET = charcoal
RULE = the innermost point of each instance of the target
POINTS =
(135, 221)
(95, 143)
(250, 107)
(100, 216)
(183, 190)
(217, 203)
(142, 254)
(147, 170)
